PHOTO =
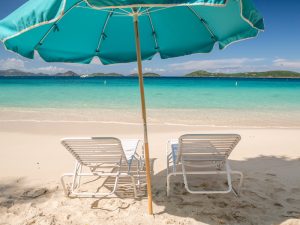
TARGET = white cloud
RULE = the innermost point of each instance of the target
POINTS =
(12, 63)
(49, 70)
(95, 61)
(149, 70)
(289, 64)
(217, 65)
(153, 70)
(19, 64)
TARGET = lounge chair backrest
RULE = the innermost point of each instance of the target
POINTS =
(193, 147)
(95, 151)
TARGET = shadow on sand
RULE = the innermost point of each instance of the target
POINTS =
(270, 195)
(18, 192)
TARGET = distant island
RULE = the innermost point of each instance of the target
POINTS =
(146, 75)
(14, 73)
(200, 73)
(267, 74)
(18, 73)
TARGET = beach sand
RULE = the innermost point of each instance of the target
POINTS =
(32, 160)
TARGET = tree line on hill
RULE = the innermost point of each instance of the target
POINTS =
(199, 73)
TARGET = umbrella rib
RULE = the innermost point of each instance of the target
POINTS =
(127, 13)
(203, 22)
(153, 30)
(103, 35)
(138, 11)
(104, 10)
(145, 10)
(159, 9)
(55, 25)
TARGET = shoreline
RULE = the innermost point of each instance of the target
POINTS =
(202, 118)
(149, 124)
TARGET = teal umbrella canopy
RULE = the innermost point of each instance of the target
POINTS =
(79, 30)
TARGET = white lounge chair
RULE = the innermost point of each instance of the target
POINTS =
(104, 157)
(202, 154)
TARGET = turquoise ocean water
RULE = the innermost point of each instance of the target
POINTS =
(161, 93)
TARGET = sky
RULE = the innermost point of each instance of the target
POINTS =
(277, 48)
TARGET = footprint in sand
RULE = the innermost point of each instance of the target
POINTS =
(253, 195)
(245, 204)
(295, 190)
(211, 196)
(111, 204)
(170, 221)
(224, 218)
(278, 204)
(278, 190)
(160, 192)
(271, 174)
(238, 217)
(268, 180)
(175, 199)
(7, 203)
(220, 204)
(197, 204)
(179, 189)
(251, 179)
(34, 193)
(160, 195)
(50, 219)
(293, 201)
(294, 214)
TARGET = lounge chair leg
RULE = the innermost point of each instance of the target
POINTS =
(79, 177)
(168, 184)
(66, 190)
(75, 181)
(185, 178)
(167, 154)
(139, 168)
(168, 181)
(115, 185)
(134, 186)
(64, 186)
(238, 191)
(228, 174)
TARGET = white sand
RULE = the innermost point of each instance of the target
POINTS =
(32, 159)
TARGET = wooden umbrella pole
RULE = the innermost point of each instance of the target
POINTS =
(141, 82)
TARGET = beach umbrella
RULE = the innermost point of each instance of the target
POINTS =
(120, 31)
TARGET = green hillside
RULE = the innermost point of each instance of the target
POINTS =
(267, 74)
(146, 75)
